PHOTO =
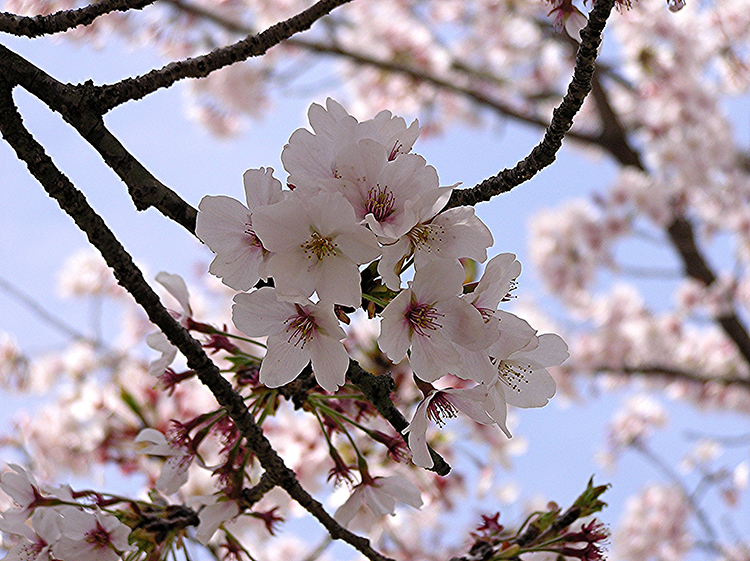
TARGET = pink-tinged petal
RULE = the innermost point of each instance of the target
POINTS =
(438, 281)
(453, 234)
(433, 357)
(535, 389)
(212, 516)
(221, 224)
(552, 351)
(395, 335)
(242, 273)
(401, 489)
(326, 321)
(379, 503)
(475, 365)
(359, 244)
(178, 289)
(471, 402)
(283, 362)
(390, 263)
(294, 275)
(261, 188)
(339, 282)
(307, 160)
(261, 313)
(347, 511)
(496, 407)
(429, 203)
(496, 280)
(330, 213)
(464, 325)
(515, 334)
(417, 431)
(283, 225)
(330, 362)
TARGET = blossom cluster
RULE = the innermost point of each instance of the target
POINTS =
(361, 208)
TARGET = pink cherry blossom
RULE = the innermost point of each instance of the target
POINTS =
(226, 226)
(317, 247)
(38, 540)
(430, 318)
(297, 334)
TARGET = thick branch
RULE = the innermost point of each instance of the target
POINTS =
(65, 19)
(199, 67)
(562, 119)
(74, 103)
(72, 201)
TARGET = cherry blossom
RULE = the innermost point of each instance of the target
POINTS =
(38, 540)
(439, 405)
(174, 472)
(297, 334)
(225, 225)
(95, 536)
(430, 318)
(317, 247)
(310, 157)
(375, 497)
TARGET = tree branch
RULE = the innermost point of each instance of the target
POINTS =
(110, 96)
(65, 19)
(72, 201)
(562, 119)
(671, 373)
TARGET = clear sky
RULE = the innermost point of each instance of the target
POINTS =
(36, 237)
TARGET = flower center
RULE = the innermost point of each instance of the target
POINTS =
(440, 409)
(319, 247)
(486, 313)
(395, 151)
(424, 235)
(300, 327)
(380, 202)
(423, 318)
(515, 375)
(252, 239)
(98, 537)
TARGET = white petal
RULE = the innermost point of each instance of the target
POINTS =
(347, 511)
(433, 357)
(496, 406)
(535, 390)
(401, 489)
(395, 336)
(261, 188)
(552, 351)
(339, 282)
(464, 325)
(330, 362)
(283, 225)
(283, 362)
(261, 313)
(177, 288)
(438, 280)
(417, 430)
(390, 263)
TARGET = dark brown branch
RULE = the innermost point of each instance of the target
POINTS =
(74, 103)
(562, 119)
(111, 96)
(65, 19)
(674, 374)
(377, 389)
(72, 201)
(683, 238)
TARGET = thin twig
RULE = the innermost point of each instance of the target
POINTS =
(562, 118)
(65, 19)
(110, 96)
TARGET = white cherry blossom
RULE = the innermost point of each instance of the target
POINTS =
(309, 157)
(430, 318)
(297, 334)
(38, 540)
(371, 500)
(94, 536)
(317, 247)
(437, 406)
(522, 377)
(225, 225)
(174, 472)
(452, 234)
